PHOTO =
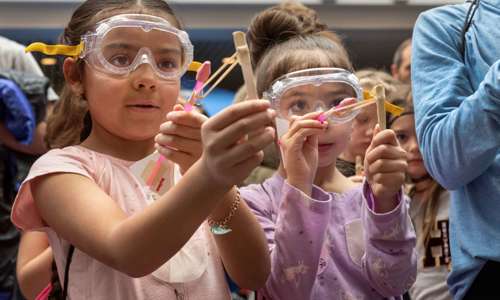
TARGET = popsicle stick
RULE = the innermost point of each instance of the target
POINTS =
(241, 46)
(359, 165)
(380, 100)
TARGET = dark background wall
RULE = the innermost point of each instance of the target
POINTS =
(371, 32)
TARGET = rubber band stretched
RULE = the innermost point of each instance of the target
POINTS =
(369, 100)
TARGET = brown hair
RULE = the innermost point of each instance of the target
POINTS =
(369, 78)
(289, 37)
(70, 122)
(398, 55)
(433, 192)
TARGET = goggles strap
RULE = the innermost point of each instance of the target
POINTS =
(67, 50)
(389, 107)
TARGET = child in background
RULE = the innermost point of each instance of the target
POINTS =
(428, 210)
(364, 123)
(131, 242)
(328, 237)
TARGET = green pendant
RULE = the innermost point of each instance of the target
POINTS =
(219, 230)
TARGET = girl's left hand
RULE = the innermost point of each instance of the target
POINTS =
(385, 168)
(179, 139)
(299, 147)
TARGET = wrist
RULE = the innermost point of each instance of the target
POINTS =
(212, 179)
(304, 187)
(384, 205)
(204, 179)
(220, 218)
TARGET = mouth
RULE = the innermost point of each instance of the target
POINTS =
(414, 162)
(143, 106)
(325, 147)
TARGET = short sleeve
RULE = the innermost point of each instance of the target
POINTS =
(25, 214)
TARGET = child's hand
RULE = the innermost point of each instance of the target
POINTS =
(385, 168)
(233, 141)
(179, 139)
(300, 150)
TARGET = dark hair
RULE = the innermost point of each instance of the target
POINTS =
(398, 55)
(70, 123)
(282, 40)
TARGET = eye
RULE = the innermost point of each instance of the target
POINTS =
(120, 60)
(402, 137)
(298, 107)
(168, 65)
(334, 102)
(361, 119)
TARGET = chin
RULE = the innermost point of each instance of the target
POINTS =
(416, 173)
(323, 163)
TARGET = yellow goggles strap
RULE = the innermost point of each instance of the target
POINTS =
(73, 51)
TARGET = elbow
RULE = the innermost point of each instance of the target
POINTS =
(253, 279)
(255, 283)
(128, 264)
(136, 272)
(134, 267)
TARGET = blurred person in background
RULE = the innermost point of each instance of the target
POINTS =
(401, 63)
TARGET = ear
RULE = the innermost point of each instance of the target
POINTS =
(394, 71)
(72, 75)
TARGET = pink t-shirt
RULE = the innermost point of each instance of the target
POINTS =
(89, 278)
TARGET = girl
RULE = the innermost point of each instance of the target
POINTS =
(328, 238)
(99, 192)
(428, 210)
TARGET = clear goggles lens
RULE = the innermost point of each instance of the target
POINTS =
(316, 90)
(123, 43)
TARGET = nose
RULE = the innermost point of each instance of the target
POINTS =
(144, 77)
(369, 129)
(413, 145)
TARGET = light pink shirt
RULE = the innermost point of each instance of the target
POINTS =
(90, 279)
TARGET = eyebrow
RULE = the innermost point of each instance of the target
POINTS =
(298, 94)
(340, 93)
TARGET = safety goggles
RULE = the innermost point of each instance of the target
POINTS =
(316, 90)
(122, 43)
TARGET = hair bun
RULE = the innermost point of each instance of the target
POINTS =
(278, 24)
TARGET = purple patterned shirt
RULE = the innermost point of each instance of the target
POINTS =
(333, 246)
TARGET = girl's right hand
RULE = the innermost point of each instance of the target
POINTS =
(233, 141)
(299, 147)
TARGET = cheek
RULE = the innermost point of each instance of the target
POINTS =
(340, 134)
(170, 95)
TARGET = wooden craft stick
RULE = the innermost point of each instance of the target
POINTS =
(359, 165)
(241, 46)
(380, 99)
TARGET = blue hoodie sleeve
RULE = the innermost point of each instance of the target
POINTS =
(457, 127)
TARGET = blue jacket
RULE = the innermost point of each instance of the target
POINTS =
(16, 112)
(457, 110)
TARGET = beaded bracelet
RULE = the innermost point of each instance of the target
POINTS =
(221, 228)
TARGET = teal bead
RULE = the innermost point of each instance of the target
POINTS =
(218, 230)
